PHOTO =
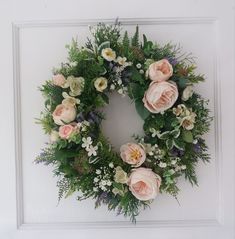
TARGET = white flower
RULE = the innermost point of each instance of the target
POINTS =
(138, 66)
(109, 183)
(108, 54)
(86, 142)
(112, 87)
(121, 60)
(111, 165)
(101, 84)
(98, 171)
(103, 182)
(92, 150)
(187, 93)
(162, 165)
(120, 91)
(95, 189)
(119, 81)
(141, 72)
(183, 167)
(171, 171)
(187, 122)
(96, 180)
(153, 131)
(73, 64)
(173, 162)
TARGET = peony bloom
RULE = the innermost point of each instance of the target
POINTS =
(108, 54)
(160, 96)
(64, 114)
(160, 71)
(59, 80)
(187, 93)
(65, 131)
(144, 184)
(101, 84)
(120, 175)
(76, 85)
(133, 154)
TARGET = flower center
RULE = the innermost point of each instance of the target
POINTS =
(135, 154)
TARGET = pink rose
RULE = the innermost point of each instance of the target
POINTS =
(160, 96)
(64, 113)
(59, 80)
(133, 154)
(65, 131)
(144, 184)
(160, 70)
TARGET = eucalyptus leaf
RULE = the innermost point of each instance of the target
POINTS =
(187, 136)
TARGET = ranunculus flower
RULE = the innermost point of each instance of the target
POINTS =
(133, 154)
(120, 175)
(108, 54)
(65, 131)
(160, 70)
(64, 113)
(160, 96)
(76, 85)
(101, 84)
(187, 93)
(144, 183)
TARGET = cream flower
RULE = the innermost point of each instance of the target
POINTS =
(69, 99)
(76, 85)
(54, 136)
(179, 110)
(120, 175)
(144, 184)
(187, 93)
(121, 60)
(187, 122)
(108, 54)
(101, 84)
(133, 154)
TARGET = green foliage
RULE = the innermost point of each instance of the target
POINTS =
(135, 38)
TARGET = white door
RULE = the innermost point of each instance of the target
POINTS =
(32, 39)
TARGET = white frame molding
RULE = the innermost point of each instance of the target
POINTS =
(16, 28)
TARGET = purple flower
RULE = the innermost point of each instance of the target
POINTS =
(93, 117)
(173, 61)
(177, 152)
(197, 148)
(80, 117)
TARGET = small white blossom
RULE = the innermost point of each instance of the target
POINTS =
(98, 171)
(95, 189)
(111, 165)
(112, 87)
(119, 81)
(96, 180)
(73, 64)
(109, 183)
(86, 142)
(162, 165)
(138, 66)
(141, 72)
(183, 167)
(120, 91)
(92, 150)
(174, 161)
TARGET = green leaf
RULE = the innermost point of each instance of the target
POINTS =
(175, 133)
(169, 144)
(103, 45)
(179, 144)
(101, 100)
(187, 136)
(118, 185)
(141, 110)
(136, 91)
(164, 135)
(182, 82)
(64, 154)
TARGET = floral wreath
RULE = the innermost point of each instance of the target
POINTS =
(160, 82)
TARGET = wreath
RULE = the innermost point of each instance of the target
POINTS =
(159, 80)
